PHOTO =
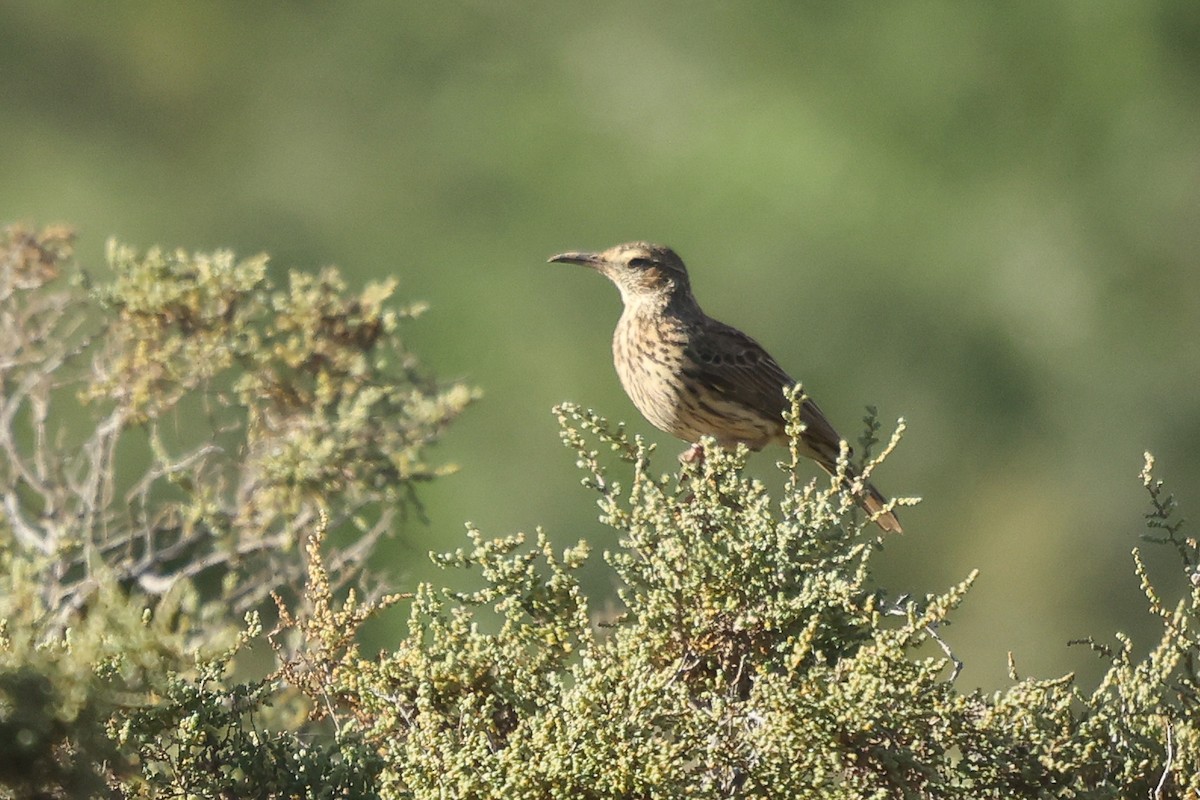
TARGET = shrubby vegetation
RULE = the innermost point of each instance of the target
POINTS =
(184, 579)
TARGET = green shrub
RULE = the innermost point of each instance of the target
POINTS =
(168, 441)
(751, 655)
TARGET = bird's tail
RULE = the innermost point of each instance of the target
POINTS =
(821, 443)
(874, 501)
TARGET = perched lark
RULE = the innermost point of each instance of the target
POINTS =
(692, 376)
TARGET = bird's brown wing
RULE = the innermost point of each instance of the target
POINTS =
(735, 366)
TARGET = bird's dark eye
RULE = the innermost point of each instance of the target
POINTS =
(640, 263)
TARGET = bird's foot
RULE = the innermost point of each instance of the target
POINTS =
(693, 455)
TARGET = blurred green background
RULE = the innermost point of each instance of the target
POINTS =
(980, 217)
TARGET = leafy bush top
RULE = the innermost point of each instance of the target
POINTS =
(751, 654)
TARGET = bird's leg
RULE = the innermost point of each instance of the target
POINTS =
(693, 455)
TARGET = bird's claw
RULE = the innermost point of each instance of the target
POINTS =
(693, 455)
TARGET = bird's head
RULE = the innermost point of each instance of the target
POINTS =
(642, 271)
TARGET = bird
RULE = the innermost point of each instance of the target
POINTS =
(692, 376)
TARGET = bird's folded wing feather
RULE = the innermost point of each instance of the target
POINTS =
(734, 365)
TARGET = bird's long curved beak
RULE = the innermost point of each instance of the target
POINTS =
(592, 260)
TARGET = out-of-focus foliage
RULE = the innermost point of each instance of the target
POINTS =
(224, 417)
(981, 217)
(250, 408)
